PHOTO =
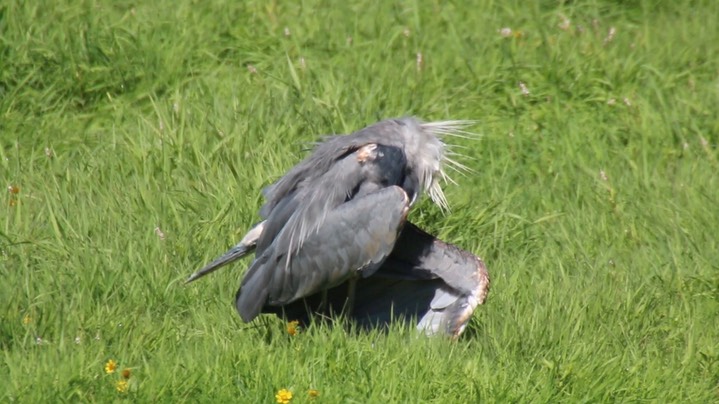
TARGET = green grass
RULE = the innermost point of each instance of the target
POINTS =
(594, 202)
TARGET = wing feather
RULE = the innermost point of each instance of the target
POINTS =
(354, 240)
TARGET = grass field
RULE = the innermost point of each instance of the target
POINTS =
(135, 138)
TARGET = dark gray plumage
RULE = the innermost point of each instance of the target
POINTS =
(336, 217)
(353, 241)
(350, 235)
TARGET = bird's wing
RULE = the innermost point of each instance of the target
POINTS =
(244, 247)
(419, 254)
(302, 212)
(448, 282)
(355, 238)
(424, 279)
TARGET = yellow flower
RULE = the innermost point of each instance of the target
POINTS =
(293, 327)
(27, 319)
(121, 386)
(313, 393)
(283, 396)
(110, 366)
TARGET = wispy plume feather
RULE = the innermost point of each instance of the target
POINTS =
(439, 130)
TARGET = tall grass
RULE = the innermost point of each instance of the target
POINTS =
(135, 138)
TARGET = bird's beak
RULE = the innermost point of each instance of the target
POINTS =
(245, 246)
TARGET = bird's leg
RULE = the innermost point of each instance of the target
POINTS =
(351, 289)
(323, 303)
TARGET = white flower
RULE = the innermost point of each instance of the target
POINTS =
(523, 88)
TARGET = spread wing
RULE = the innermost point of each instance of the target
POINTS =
(424, 277)
(435, 283)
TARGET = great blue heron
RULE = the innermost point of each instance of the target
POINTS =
(339, 217)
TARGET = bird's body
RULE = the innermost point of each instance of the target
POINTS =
(346, 221)
(337, 216)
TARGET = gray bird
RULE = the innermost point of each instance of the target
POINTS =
(335, 237)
